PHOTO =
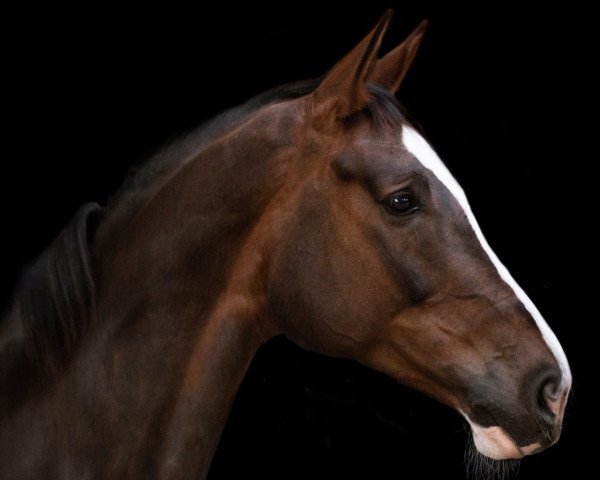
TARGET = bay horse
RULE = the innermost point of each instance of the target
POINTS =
(317, 210)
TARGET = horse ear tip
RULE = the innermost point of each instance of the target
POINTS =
(423, 26)
(384, 22)
(388, 14)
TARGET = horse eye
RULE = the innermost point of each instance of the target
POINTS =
(400, 204)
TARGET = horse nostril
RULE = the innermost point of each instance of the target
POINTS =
(550, 391)
(548, 397)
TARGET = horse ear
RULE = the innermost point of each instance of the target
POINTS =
(343, 91)
(393, 67)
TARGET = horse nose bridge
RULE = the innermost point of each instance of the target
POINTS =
(501, 305)
(512, 335)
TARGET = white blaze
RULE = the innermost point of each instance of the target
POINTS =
(419, 147)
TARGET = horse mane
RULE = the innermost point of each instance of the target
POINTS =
(56, 295)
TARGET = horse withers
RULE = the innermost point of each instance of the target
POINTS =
(317, 210)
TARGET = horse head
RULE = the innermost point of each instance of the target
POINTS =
(378, 257)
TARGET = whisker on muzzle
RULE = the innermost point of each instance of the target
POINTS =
(479, 467)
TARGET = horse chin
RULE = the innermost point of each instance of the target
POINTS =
(495, 443)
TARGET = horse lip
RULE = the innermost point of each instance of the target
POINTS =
(520, 450)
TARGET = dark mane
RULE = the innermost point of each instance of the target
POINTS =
(56, 294)
(387, 112)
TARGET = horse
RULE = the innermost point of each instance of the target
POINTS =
(317, 210)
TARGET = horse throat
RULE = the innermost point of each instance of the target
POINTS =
(221, 356)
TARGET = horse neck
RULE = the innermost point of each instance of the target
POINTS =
(185, 272)
(186, 243)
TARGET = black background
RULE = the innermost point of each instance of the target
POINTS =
(501, 91)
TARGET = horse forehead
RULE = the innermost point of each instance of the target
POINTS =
(420, 149)
(386, 156)
(383, 159)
